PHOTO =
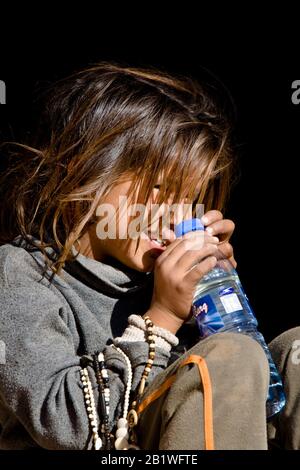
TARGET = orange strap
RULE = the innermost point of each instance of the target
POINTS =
(207, 396)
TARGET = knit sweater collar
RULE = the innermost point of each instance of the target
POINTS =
(113, 277)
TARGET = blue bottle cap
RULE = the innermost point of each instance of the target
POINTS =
(189, 225)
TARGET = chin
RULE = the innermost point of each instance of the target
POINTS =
(143, 268)
(143, 265)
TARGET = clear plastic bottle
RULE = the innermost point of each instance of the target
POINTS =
(220, 304)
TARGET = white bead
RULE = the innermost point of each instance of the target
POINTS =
(100, 357)
(98, 443)
(121, 443)
(93, 423)
(91, 416)
(122, 432)
(126, 396)
(95, 431)
(104, 373)
(89, 408)
(122, 423)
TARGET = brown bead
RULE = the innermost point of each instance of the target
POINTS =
(132, 418)
(142, 386)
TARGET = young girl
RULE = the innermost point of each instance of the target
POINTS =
(96, 347)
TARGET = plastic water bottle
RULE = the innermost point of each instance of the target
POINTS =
(220, 304)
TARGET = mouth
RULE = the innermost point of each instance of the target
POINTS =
(157, 243)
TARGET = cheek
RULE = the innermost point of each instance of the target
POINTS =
(125, 246)
(121, 223)
(135, 249)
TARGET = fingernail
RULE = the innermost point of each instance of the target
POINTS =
(210, 230)
(215, 239)
(204, 220)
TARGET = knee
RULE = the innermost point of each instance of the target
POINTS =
(286, 340)
(236, 362)
(234, 351)
(283, 345)
(245, 352)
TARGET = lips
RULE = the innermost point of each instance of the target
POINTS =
(158, 242)
(155, 244)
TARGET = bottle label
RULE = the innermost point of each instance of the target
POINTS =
(208, 319)
(231, 303)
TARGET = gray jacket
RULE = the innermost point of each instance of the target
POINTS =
(45, 330)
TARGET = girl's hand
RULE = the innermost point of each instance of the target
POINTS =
(176, 273)
(221, 228)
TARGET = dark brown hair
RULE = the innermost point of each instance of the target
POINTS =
(99, 124)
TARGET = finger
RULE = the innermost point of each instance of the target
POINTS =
(192, 257)
(171, 246)
(200, 237)
(192, 241)
(200, 269)
(165, 254)
(211, 216)
(223, 229)
(227, 249)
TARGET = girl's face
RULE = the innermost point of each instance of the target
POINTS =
(122, 232)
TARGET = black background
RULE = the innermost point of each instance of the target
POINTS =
(254, 54)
